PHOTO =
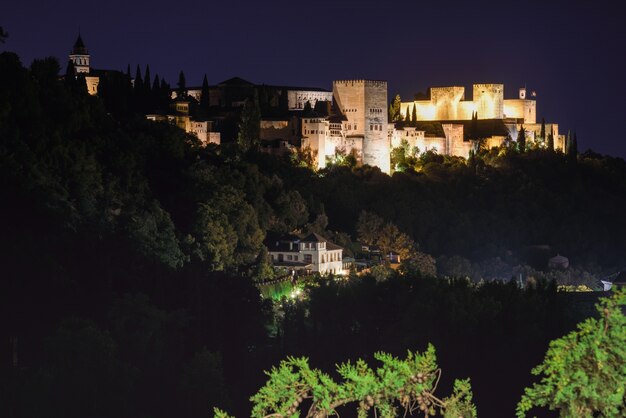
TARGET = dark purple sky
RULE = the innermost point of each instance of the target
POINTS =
(571, 53)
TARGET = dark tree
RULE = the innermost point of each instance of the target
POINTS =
(156, 85)
(283, 101)
(204, 97)
(250, 124)
(550, 142)
(138, 86)
(407, 115)
(146, 83)
(308, 109)
(542, 133)
(572, 149)
(70, 74)
(414, 114)
(521, 139)
(182, 85)
(474, 127)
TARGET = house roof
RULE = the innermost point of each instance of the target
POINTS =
(237, 81)
(313, 237)
(332, 246)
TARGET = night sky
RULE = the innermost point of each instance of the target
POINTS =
(571, 53)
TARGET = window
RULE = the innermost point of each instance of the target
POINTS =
(308, 258)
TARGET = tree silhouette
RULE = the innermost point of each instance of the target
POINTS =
(521, 140)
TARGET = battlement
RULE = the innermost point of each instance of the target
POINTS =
(369, 83)
(489, 86)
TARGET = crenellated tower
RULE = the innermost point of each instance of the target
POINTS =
(364, 104)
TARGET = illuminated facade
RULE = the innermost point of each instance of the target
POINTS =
(179, 116)
(80, 58)
(312, 254)
(357, 126)
(448, 104)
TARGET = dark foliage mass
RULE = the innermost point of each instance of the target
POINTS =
(129, 254)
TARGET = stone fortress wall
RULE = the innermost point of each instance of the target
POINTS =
(448, 103)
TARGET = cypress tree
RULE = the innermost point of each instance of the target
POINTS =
(521, 140)
(550, 142)
(182, 85)
(407, 115)
(572, 150)
(283, 101)
(250, 124)
(396, 107)
(542, 133)
(473, 134)
(156, 86)
(70, 72)
(138, 80)
(138, 91)
(204, 97)
(568, 143)
(128, 71)
(308, 109)
(391, 113)
(146, 85)
(414, 114)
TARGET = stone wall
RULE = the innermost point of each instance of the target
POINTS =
(314, 134)
(455, 145)
(489, 100)
(297, 98)
(364, 103)
(446, 101)
(521, 109)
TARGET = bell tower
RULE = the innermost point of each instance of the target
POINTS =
(80, 56)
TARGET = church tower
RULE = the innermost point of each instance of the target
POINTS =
(80, 56)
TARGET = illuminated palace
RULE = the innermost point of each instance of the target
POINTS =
(353, 117)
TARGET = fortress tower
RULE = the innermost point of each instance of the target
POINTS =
(364, 104)
(80, 56)
(489, 100)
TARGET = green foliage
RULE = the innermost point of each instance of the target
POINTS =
(419, 264)
(373, 230)
(394, 109)
(584, 372)
(398, 386)
(154, 235)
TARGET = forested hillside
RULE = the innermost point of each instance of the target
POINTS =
(130, 253)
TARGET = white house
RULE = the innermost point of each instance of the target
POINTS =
(313, 253)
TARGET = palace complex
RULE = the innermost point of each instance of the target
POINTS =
(353, 118)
